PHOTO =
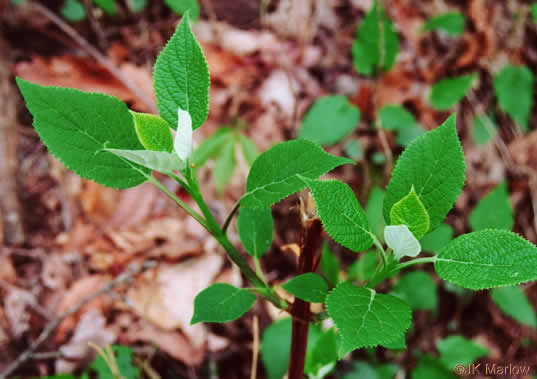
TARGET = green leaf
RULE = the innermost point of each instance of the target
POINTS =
(373, 48)
(136, 5)
(407, 135)
(447, 92)
(395, 117)
(434, 165)
(451, 22)
(435, 240)
(330, 119)
(401, 240)
(330, 265)
(341, 214)
(514, 88)
(483, 129)
(256, 229)
(210, 146)
(493, 211)
(457, 350)
(224, 165)
(181, 77)
(417, 289)
(353, 149)
(76, 126)
(365, 370)
(274, 174)
(161, 161)
(323, 357)
(534, 12)
(123, 357)
(410, 211)
(308, 287)
(430, 367)
(364, 267)
(514, 302)
(182, 6)
(373, 210)
(153, 132)
(73, 10)
(365, 318)
(109, 6)
(488, 258)
(397, 344)
(221, 302)
(249, 149)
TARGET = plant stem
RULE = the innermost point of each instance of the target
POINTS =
(413, 262)
(307, 262)
(230, 216)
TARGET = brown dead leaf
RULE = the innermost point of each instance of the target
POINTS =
(56, 274)
(7, 270)
(99, 202)
(16, 305)
(135, 205)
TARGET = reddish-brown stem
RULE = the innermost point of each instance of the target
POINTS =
(307, 262)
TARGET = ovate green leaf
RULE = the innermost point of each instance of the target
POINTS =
(435, 240)
(455, 350)
(274, 174)
(256, 228)
(330, 265)
(395, 117)
(373, 211)
(401, 241)
(488, 258)
(323, 357)
(447, 92)
(430, 367)
(374, 47)
(410, 211)
(221, 303)
(308, 287)
(109, 6)
(418, 289)
(353, 149)
(161, 161)
(364, 267)
(76, 126)
(224, 165)
(513, 86)
(181, 78)
(365, 318)
(181, 6)
(451, 22)
(365, 370)
(153, 132)
(493, 211)
(434, 165)
(341, 214)
(73, 10)
(514, 302)
(330, 119)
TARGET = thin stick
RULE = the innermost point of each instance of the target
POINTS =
(129, 273)
(255, 348)
(93, 52)
(230, 216)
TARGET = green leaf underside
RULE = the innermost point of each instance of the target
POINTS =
(153, 132)
(181, 6)
(373, 49)
(418, 289)
(274, 174)
(434, 165)
(342, 215)
(224, 165)
(401, 241)
(75, 126)
(483, 129)
(161, 161)
(514, 302)
(447, 92)
(455, 350)
(488, 258)
(308, 287)
(365, 318)
(451, 22)
(435, 240)
(429, 367)
(330, 119)
(249, 149)
(181, 77)
(211, 146)
(330, 265)
(410, 211)
(493, 211)
(395, 117)
(221, 303)
(256, 228)
(514, 88)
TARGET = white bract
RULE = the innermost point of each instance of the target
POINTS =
(401, 240)
(183, 138)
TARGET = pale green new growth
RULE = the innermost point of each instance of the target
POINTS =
(308, 287)
(365, 318)
(450, 22)
(330, 119)
(401, 241)
(457, 350)
(486, 259)
(153, 132)
(76, 126)
(410, 211)
(493, 211)
(447, 92)
(161, 161)
(221, 303)
(514, 302)
(342, 215)
(181, 77)
(249, 149)
(434, 165)
(274, 174)
(256, 228)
